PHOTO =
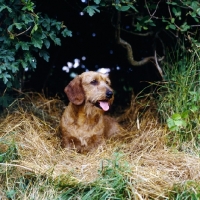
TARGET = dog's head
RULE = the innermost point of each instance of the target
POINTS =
(91, 87)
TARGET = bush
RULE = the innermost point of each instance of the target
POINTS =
(23, 34)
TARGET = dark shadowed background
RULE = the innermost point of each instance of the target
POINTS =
(91, 47)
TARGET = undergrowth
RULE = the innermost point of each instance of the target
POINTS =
(112, 183)
(179, 96)
(189, 190)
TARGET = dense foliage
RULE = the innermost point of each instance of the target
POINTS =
(24, 34)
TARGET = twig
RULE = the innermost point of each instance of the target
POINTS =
(152, 15)
(23, 31)
(157, 65)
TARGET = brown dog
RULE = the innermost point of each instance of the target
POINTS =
(83, 124)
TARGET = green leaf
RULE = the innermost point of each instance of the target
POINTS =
(14, 68)
(122, 8)
(58, 25)
(133, 7)
(172, 26)
(170, 122)
(138, 27)
(28, 6)
(27, 18)
(194, 108)
(5, 77)
(37, 42)
(91, 10)
(46, 43)
(176, 116)
(52, 35)
(57, 41)
(25, 46)
(10, 27)
(18, 25)
(35, 28)
(195, 5)
(172, 20)
(97, 1)
(172, 3)
(198, 11)
(185, 115)
(24, 64)
(44, 55)
(185, 27)
(5, 7)
(179, 123)
(66, 32)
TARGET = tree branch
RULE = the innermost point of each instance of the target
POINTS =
(128, 47)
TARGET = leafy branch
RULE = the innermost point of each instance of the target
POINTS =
(22, 34)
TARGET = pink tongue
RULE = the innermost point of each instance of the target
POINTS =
(104, 105)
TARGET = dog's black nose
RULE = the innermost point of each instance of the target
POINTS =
(109, 94)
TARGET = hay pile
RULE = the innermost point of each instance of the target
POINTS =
(154, 168)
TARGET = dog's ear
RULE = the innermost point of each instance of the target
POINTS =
(74, 91)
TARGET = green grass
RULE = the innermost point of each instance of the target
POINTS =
(189, 190)
(179, 96)
(111, 184)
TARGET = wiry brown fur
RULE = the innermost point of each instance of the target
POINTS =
(83, 125)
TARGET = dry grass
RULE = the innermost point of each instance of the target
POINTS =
(154, 168)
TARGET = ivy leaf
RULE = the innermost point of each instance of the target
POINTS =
(27, 18)
(52, 35)
(25, 46)
(44, 55)
(37, 42)
(91, 10)
(46, 43)
(57, 41)
(5, 76)
(56, 24)
(28, 6)
(24, 64)
(66, 32)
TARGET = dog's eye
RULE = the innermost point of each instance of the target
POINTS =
(107, 82)
(94, 82)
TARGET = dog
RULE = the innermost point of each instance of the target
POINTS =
(83, 125)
